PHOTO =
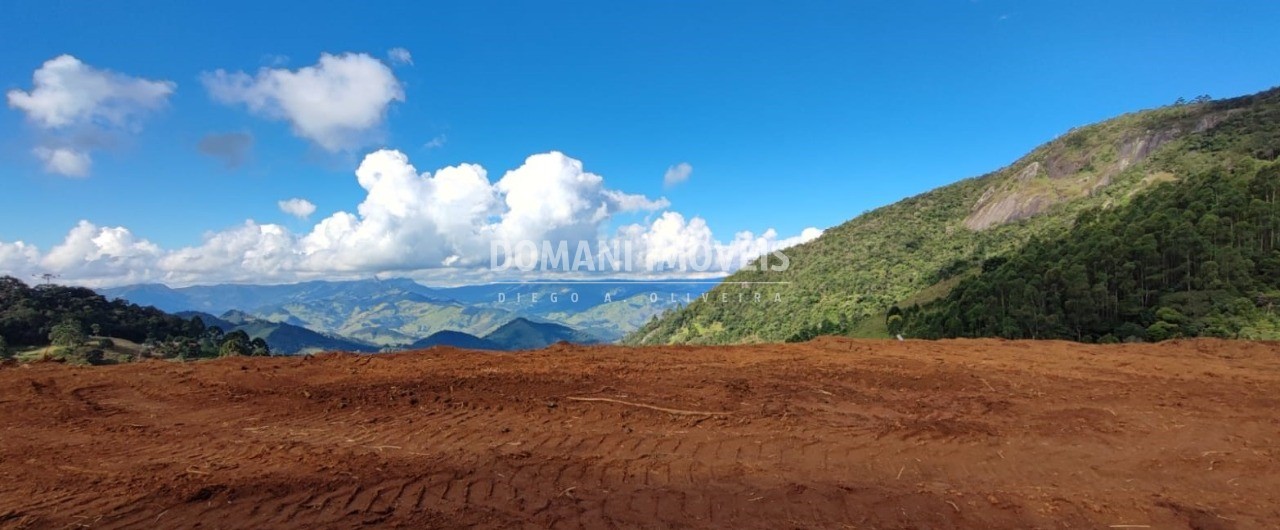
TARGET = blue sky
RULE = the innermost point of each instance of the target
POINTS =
(791, 116)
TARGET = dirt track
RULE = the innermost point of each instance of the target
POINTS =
(833, 433)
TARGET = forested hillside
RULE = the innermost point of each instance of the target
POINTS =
(922, 248)
(79, 325)
(28, 314)
(1196, 258)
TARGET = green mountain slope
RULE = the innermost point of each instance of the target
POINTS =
(847, 279)
(1196, 258)
(28, 314)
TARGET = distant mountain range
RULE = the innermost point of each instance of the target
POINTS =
(524, 334)
(456, 339)
(518, 334)
(283, 338)
(373, 315)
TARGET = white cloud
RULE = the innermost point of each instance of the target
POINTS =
(626, 202)
(671, 242)
(677, 174)
(78, 105)
(64, 161)
(300, 208)
(337, 103)
(251, 252)
(552, 197)
(93, 252)
(409, 222)
(400, 56)
(19, 259)
(436, 142)
(68, 92)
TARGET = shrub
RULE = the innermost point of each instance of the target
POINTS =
(1162, 330)
(67, 334)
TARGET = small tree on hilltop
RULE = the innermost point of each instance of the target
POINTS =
(235, 343)
(67, 334)
(259, 347)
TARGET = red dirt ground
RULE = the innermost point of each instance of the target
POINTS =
(833, 433)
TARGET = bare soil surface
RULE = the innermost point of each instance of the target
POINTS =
(833, 433)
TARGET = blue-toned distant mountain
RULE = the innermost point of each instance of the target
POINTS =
(518, 334)
(605, 309)
(218, 299)
(400, 312)
(525, 334)
(457, 339)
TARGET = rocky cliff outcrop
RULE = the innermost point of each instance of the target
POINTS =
(1075, 165)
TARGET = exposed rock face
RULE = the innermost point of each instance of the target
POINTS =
(1008, 208)
(1137, 149)
(1065, 174)
(1061, 165)
(1210, 121)
(1028, 172)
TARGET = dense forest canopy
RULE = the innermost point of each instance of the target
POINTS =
(1196, 258)
(66, 317)
(28, 314)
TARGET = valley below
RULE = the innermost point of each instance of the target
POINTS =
(830, 433)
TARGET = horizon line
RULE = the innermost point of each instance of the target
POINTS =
(545, 282)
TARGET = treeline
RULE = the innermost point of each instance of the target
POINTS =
(1200, 257)
(70, 318)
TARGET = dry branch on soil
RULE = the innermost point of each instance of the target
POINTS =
(650, 407)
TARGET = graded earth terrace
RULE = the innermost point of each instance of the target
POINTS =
(832, 433)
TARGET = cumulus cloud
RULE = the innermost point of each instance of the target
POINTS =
(232, 149)
(93, 253)
(336, 103)
(64, 161)
(412, 222)
(251, 252)
(300, 208)
(552, 197)
(68, 92)
(677, 174)
(78, 105)
(407, 220)
(400, 56)
(19, 259)
(671, 242)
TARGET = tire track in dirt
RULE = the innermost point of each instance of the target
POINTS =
(450, 438)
